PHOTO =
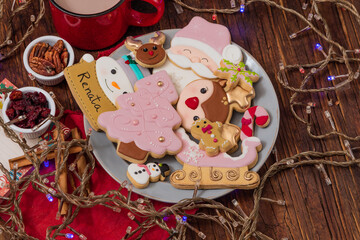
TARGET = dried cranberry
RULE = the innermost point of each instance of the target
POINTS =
(16, 95)
(45, 112)
(10, 112)
(33, 104)
(42, 98)
(19, 105)
(29, 108)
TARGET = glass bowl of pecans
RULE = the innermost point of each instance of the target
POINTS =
(27, 110)
(46, 57)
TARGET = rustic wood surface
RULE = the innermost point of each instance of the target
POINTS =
(313, 210)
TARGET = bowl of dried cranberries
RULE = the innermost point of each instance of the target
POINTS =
(46, 57)
(28, 109)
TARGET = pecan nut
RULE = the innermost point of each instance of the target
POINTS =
(42, 66)
(59, 46)
(64, 57)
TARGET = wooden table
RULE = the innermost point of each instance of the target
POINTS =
(313, 210)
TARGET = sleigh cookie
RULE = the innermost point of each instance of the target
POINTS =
(221, 171)
(145, 121)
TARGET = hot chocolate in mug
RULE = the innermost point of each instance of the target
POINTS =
(95, 24)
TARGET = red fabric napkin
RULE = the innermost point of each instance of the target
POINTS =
(98, 222)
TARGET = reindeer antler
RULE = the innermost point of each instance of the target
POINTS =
(159, 38)
(132, 44)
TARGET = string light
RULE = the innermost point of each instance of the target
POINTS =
(49, 197)
(282, 70)
(310, 16)
(321, 168)
(242, 6)
(348, 147)
(214, 16)
(331, 78)
(301, 70)
(294, 35)
(69, 235)
(184, 218)
(278, 202)
(328, 116)
(237, 206)
(232, 4)
(46, 163)
(320, 49)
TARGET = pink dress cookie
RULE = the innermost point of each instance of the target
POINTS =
(145, 119)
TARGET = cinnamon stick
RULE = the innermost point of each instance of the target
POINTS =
(22, 161)
(63, 173)
(81, 163)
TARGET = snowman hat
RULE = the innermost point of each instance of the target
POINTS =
(211, 38)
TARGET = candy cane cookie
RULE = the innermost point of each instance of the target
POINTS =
(257, 114)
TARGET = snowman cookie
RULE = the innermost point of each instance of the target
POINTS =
(141, 175)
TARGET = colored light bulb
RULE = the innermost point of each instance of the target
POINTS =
(69, 236)
(184, 218)
(331, 78)
(242, 8)
(46, 163)
(318, 47)
(49, 197)
(214, 16)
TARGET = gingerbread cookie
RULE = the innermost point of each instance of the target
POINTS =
(150, 54)
(141, 175)
(220, 171)
(144, 123)
(255, 114)
(209, 136)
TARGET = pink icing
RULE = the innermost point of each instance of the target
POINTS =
(135, 121)
(146, 168)
(248, 119)
(215, 35)
(193, 155)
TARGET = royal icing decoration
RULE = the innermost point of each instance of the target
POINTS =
(209, 136)
(179, 76)
(236, 74)
(146, 117)
(140, 175)
(255, 114)
(150, 54)
(220, 171)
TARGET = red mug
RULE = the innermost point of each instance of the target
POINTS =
(101, 30)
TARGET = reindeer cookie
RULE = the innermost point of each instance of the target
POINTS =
(149, 55)
(209, 136)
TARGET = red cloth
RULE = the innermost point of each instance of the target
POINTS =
(98, 222)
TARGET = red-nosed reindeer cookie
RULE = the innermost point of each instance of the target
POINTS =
(149, 55)
(209, 136)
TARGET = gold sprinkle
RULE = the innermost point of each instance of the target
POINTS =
(132, 104)
(226, 103)
(160, 83)
(161, 139)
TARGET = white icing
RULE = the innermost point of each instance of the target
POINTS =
(154, 170)
(232, 53)
(141, 177)
(110, 73)
(88, 57)
(180, 77)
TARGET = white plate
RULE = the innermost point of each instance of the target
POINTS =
(105, 150)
